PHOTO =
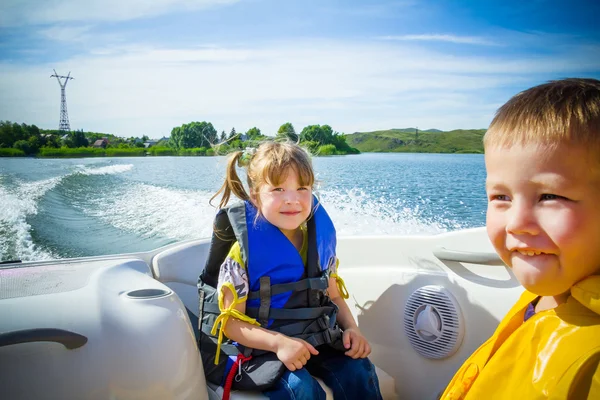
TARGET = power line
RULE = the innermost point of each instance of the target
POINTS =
(63, 125)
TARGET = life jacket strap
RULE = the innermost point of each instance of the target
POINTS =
(200, 312)
(293, 313)
(265, 300)
(320, 283)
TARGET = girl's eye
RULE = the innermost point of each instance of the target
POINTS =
(500, 197)
(303, 188)
(278, 189)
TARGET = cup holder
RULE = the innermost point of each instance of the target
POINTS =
(147, 293)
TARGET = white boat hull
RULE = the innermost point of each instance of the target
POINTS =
(141, 345)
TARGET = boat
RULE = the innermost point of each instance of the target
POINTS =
(121, 326)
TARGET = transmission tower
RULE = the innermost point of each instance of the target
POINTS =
(64, 116)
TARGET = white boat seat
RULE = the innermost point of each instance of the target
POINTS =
(172, 267)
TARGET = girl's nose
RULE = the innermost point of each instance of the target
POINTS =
(291, 197)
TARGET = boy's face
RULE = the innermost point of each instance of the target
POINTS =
(543, 214)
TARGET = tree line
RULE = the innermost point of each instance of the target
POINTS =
(319, 139)
(194, 138)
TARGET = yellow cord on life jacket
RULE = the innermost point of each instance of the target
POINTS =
(225, 314)
(340, 285)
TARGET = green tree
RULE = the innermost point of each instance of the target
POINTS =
(194, 134)
(34, 143)
(232, 133)
(317, 133)
(287, 131)
(76, 139)
(223, 136)
(52, 141)
(22, 145)
(253, 133)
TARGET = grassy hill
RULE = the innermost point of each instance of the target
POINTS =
(428, 141)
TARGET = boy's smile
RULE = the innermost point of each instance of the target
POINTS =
(543, 216)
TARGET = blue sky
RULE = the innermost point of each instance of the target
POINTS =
(143, 67)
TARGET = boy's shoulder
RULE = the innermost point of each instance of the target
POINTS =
(587, 293)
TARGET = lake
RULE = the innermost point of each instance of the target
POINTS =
(57, 208)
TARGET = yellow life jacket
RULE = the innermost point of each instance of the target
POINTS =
(553, 355)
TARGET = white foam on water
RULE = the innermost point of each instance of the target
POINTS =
(356, 213)
(107, 170)
(18, 203)
(152, 211)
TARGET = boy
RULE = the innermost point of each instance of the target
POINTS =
(542, 156)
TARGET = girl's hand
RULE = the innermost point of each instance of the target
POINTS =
(356, 343)
(294, 353)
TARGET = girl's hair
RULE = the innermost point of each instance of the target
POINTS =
(268, 164)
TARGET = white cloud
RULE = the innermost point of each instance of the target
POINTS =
(66, 33)
(443, 38)
(24, 12)
(351, 86)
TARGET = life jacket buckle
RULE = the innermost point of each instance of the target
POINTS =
(324, 322)
(238, 376)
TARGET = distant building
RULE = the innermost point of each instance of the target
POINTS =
(150, 143)
(100, 143)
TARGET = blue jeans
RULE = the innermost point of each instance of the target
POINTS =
(348, 379)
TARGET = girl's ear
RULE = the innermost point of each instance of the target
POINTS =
(253, 197)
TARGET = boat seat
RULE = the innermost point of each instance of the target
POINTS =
(386, 386)
(179, 267)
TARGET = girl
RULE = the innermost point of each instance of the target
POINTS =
(281, 302)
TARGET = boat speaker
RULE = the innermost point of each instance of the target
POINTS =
(433, 322)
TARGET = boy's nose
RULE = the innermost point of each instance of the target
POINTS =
(521, 220)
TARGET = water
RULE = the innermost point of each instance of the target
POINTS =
(57, 208)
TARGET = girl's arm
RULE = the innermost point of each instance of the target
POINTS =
(294, 353)
(354, 341)
(344, 316)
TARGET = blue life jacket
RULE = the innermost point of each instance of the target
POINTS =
(285, 295)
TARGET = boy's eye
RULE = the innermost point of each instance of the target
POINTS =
(278, 189)
(549, 196)
(499, 197)
(303, 188)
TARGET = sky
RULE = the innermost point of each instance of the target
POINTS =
(144, 67)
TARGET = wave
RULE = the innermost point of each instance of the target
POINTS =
(20, 200)
(357, 213)
(107, 170)
(18, 203)
(152, 211)
(149, 211)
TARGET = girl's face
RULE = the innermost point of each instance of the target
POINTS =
(286, 205)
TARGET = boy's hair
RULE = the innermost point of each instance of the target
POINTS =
(565, 111)
(270, 163)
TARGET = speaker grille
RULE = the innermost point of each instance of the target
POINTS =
(433, 323)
